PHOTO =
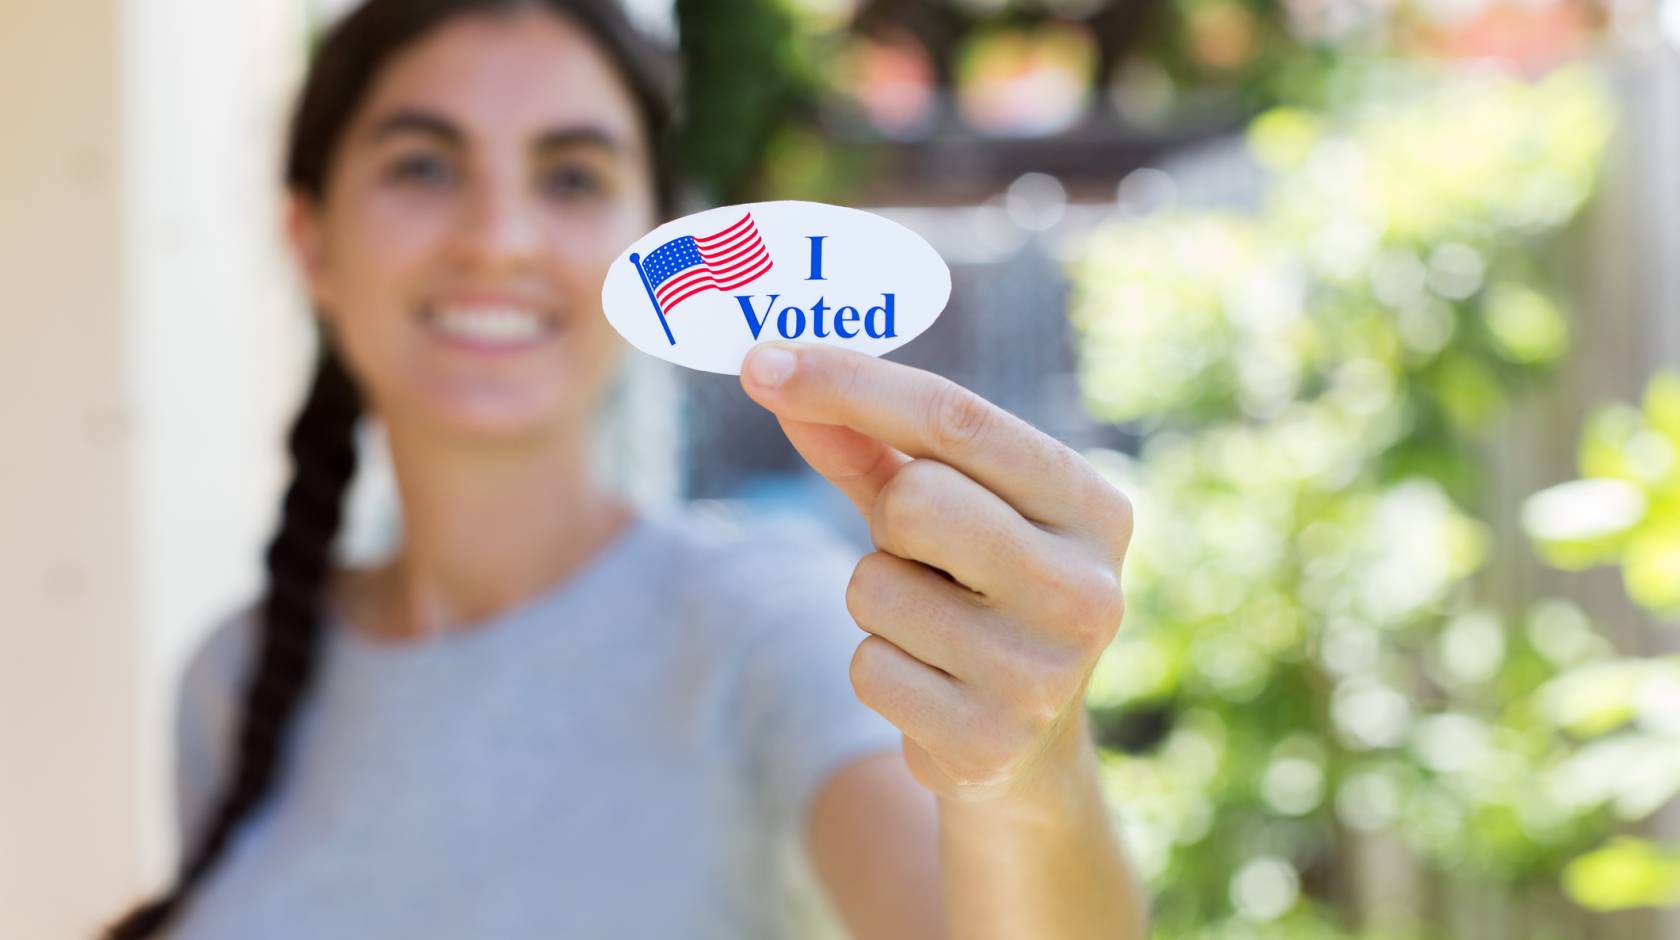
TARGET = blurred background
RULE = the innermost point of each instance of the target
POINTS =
(1373, 306)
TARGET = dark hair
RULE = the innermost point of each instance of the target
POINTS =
(322, 438)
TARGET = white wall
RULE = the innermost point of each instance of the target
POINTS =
(217, 337)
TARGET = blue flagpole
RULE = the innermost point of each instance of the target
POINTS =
(636, 260)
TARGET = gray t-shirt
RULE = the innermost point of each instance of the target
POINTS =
(627, 754)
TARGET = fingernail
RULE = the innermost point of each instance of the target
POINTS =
(769, 366)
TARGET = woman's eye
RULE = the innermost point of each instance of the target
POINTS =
(572, 181)
(421, 168)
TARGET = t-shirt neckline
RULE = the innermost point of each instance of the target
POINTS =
(578, 582)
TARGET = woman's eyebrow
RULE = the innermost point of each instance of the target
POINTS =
(583, 135)
(434, 125)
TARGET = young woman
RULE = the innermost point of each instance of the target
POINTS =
(550, 715)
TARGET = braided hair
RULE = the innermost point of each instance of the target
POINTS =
(322, 437)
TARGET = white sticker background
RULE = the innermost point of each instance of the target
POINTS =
(879, 281)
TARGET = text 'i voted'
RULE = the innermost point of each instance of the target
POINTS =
(701, 290)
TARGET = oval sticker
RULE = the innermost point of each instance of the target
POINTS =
(701, 290)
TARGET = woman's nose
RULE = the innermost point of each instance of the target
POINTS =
(501, 230)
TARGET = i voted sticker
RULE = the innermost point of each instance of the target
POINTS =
(701, 290)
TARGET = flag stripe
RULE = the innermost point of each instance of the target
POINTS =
(751, 275)
(747, 275)
(731, 231)
(715, 258)
(681, 282)
(708, 282)
(745, 257)
(729, 278)
(723, 280)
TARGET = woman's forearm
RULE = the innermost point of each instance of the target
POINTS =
(1045, 863)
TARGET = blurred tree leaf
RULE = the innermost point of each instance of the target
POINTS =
(744, 78)
(1626, 508)
(1625, 873)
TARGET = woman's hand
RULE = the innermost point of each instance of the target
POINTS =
(997, 581)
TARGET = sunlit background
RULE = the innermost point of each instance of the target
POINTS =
(1367, 303)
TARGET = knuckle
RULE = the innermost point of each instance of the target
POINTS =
(924, 475)
(1117, 517)
(957, 417)
(1006, 545)
(994, 753)
(1090, 603)
(869, 591)
(1065, 463)
(858, 588)
(1050, 695)
(1042, 689)
(892, 515)
(1110, 511)
(905, 502)
(865, 671)
(1059, 585)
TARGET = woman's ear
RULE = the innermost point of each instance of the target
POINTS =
(306, 236)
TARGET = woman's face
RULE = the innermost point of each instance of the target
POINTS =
(494, 171)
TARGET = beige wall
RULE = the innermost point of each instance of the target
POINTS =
(153, 340)
(68, 642)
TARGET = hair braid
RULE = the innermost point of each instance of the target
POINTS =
(323, 449)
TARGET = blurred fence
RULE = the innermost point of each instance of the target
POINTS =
(1627, 325)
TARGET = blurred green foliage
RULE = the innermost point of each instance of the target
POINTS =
(770, 89)
(746, 74)
(1202, 54)
(1625, 510)
(1312, 384)
(1625, 873)
(755, 76)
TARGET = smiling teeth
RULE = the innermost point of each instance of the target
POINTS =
(490, 324)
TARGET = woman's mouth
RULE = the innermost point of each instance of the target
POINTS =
(488, 328)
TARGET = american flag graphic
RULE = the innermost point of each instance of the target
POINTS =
(725, 260)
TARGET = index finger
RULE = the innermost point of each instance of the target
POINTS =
(926, 415)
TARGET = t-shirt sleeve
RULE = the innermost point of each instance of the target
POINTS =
(803, 719)
(207, 708)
